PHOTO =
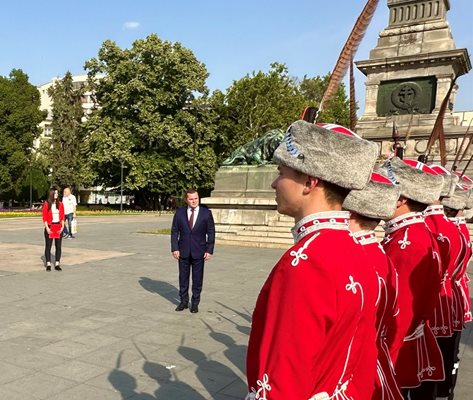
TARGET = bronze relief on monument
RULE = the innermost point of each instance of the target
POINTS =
(408, 96)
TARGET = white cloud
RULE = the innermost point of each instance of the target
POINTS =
(131, 24)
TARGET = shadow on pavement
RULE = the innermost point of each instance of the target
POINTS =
(235, 353)
(207, 369)
(164, 289)
(124, 383)
(168, 384)
(246, 316)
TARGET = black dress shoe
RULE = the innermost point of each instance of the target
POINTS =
(182, 306)
(194, 308)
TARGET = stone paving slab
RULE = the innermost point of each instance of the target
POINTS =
(105, 328)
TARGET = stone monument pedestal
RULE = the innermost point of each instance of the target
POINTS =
(244, 208)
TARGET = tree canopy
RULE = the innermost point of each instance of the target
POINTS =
(151, 118)
(263, 101)
(63, 152)
(20, 116)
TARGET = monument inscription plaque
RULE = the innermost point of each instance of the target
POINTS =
(407, 96)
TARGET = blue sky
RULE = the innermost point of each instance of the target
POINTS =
(49, 37)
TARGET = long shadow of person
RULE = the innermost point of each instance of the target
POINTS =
(164, 289)
(240, 328)
(246, 315)
(124, 383)
(169, 388)
(235, 353)
(213, 375)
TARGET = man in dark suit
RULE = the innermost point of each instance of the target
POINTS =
(192, 243)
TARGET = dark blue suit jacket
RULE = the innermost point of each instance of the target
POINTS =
(195, 242)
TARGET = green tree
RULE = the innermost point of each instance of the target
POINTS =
(19, 119)
(63, 152)
(263, 101)
(152, 118)
(337, 110)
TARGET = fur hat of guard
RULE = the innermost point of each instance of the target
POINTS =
(449, 180)
(329, 152)
(378, 200)
(458, 200)
(418, 181)
(466, 183)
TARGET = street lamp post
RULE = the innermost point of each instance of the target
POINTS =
(121, 185)
(31, 187)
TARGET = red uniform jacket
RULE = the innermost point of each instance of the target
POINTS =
(414, 253)
(462, 277)
(449, 244)
(386, 387)
(48, 215)
(313, 317)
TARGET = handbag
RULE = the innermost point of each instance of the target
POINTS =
(74, 226)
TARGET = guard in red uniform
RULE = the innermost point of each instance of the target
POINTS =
(414, 253)
(453, 207)
(450, 246)
(367, 208)
(466, 183)
(317, 307)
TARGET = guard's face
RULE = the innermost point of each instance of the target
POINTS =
(289, 186)
(192, 199)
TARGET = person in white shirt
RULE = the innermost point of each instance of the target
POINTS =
(70, 204)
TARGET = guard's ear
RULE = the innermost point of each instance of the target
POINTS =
(401, 202)
(311, 183)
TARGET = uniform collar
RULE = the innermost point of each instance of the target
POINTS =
(434, 210)
(365, 237)
(403, 220)
(322, 220)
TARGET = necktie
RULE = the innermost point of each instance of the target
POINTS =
(191, 219)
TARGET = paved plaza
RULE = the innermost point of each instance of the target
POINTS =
(105, 327)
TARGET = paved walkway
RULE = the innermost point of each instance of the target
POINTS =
(105, 328)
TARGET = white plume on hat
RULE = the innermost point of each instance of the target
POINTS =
(334, 155)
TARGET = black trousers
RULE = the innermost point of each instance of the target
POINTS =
(48, 243)
(426, 391)
(186, 265)
(449, 348)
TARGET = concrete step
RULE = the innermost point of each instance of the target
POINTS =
(264, 228)
(253, 244)
(260, 239)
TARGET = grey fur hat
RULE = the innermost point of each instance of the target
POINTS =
(469, 201)
(466, 183)
(329, 152)
(378, 200)
(449, 180)
(458, 199)
(418, 181)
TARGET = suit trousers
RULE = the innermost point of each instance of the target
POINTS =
(185, 266)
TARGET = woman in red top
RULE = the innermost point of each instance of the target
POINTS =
(53, 220)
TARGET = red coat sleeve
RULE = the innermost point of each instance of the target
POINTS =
(45, 211)
(418, 272)
(294, 311)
